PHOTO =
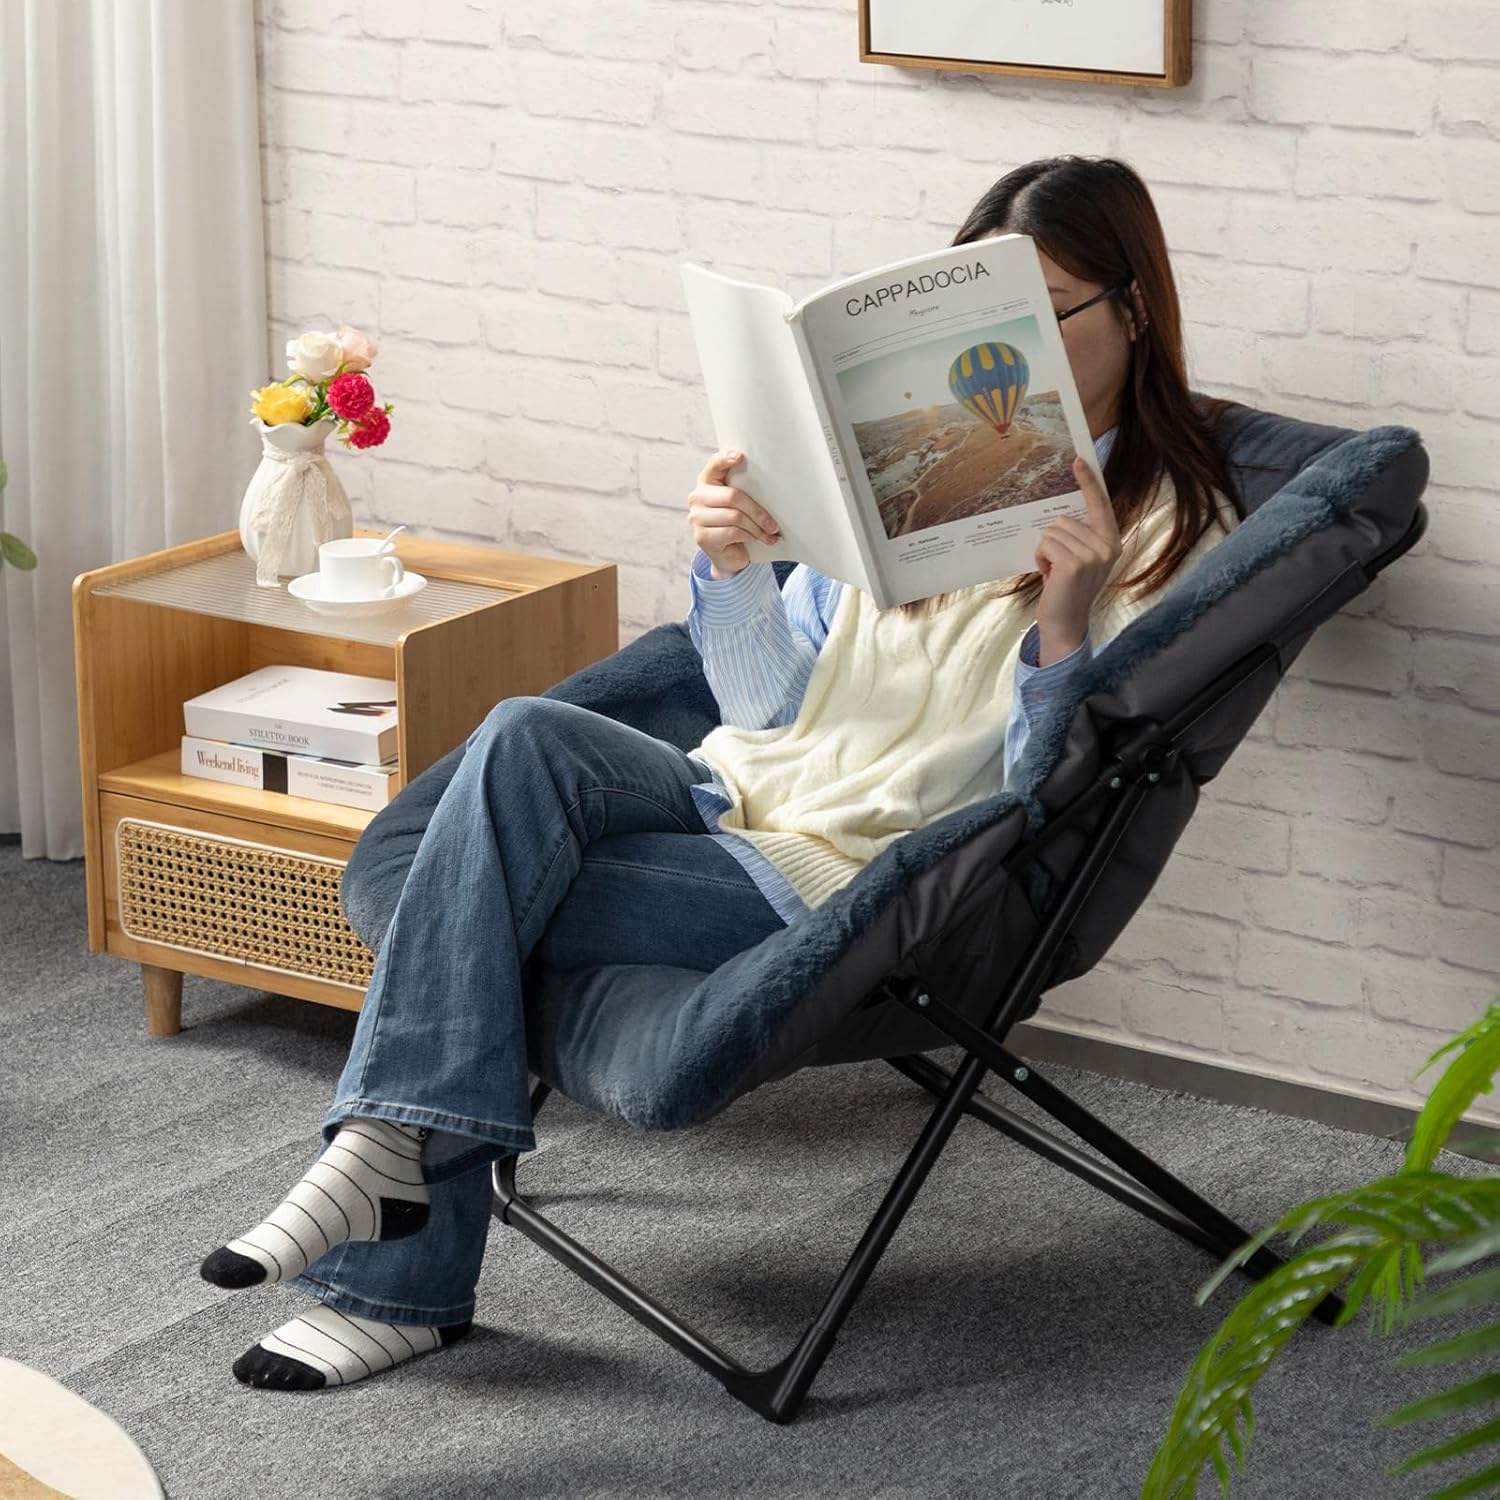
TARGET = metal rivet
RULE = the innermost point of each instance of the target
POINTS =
(1115, 782)
(924, 999)
(1154, 776)
(1021, 1074)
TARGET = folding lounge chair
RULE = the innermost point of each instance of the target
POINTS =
(957, 931)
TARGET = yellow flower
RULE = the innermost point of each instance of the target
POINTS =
(278, 404)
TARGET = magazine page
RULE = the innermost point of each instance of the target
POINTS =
(759, 399)
(949, 389)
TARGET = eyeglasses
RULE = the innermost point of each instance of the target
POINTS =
(1108, 291)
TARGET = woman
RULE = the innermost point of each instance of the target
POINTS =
(570, 839)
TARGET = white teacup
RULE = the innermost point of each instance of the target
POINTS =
(355, 567)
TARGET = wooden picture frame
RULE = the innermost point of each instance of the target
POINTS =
(1072, 39)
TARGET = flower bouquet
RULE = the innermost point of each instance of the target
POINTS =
(294, 501)
(328, 382)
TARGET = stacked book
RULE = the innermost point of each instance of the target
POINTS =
(330, 736)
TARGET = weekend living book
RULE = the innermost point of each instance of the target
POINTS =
(322, 778)
(300, 710)
(912, 429)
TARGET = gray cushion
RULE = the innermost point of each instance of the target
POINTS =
(665, 1047)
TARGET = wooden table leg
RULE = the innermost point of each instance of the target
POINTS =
(163, 1000)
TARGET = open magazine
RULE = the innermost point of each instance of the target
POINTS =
(911, 429)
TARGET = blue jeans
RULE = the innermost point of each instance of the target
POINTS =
(566, 837)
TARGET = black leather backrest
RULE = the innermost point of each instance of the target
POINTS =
(1263, 450)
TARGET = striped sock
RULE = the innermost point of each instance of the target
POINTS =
(367, 1185)
(327, 1347)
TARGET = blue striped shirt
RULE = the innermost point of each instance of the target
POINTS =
(758, 645)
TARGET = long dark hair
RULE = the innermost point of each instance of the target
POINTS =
(1095, 218)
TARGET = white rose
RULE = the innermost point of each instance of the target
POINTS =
(315, 356)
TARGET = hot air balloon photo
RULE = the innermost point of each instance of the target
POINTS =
(954, 426)
(990, 380)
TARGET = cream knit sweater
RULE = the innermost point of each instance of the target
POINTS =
(902, 721)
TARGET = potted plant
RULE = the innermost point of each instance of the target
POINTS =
(1381, 1231)
(12, 549)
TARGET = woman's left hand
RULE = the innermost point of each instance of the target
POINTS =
(1074, 558)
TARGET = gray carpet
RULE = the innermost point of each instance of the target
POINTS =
(1024, 1336)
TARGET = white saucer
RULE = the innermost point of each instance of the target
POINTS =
(308, 589)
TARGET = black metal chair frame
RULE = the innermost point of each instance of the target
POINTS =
(1135, 765)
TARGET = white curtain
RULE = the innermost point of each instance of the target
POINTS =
(132, 328)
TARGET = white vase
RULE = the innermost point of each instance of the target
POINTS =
(293, 503)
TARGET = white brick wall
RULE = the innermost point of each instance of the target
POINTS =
(503, 193)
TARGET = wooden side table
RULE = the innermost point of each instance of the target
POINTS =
(188, 876)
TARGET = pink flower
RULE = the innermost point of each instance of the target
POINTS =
(359, 351)
(372, 431)
(350, 395)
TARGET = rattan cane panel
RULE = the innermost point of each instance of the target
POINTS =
(231, 898)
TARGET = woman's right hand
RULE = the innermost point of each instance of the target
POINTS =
(724, 518)
(1075, 559)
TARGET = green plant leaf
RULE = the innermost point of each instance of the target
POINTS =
(1483, 1485)
(1473, 1291)
(1479, 1343)
(1218, 1385)
(1486, 1242)
(1483, 1390)
(1465, 1442)
(1470, 1074)
(1393, 1212)
(1383, 1227)
(1382, 1219)
(16, 552)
